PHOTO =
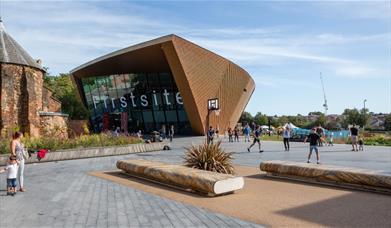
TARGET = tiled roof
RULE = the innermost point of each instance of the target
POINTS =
(12, 52)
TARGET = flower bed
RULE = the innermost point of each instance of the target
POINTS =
(84, 141)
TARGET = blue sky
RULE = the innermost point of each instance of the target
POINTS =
(282, 45)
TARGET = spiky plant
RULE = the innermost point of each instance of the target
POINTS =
(209, 157)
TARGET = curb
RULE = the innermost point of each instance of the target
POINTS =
(90, 152)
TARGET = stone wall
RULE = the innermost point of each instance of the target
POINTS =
(53, 125)
(34, 87)
(23, 96)
(49, 104)
(11, 98)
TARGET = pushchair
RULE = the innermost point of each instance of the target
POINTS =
(40, 153)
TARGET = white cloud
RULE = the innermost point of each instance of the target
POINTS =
(358, 71)
(48, 29)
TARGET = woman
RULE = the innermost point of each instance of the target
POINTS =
(17, 149)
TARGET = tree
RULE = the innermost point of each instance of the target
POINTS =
(387, 123)
(261, 119)
(246, 117)
(64, 90)
(353, 116)
(321, 120)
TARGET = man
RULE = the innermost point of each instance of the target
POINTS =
(286, 134)
(236, 134)
(354, 137)
(314, 138)
(257, 139)
(171, 132)
(246, 132)
(211, 134)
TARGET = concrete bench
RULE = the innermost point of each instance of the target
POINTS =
(342, 176)
(202, 181)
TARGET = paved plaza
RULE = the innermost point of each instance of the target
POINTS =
(63, 194)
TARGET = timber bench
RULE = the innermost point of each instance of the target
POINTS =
(347, 177)
(201, 181)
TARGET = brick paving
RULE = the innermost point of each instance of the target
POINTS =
(62, 194)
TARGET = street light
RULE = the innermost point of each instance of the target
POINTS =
(213, 105)
(365, 100)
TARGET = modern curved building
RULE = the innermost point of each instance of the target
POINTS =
(165, 81)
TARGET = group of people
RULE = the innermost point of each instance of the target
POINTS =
(15, 165)
(170, 133)
(317, 137)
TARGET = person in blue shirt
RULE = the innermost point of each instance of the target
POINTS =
(246, 132)
(257, 139)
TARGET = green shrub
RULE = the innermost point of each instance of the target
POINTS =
(84, 141)
(209, 157)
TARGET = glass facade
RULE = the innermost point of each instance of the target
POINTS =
(142, 101)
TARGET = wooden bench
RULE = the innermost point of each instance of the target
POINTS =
(326, 174)
(210, 183)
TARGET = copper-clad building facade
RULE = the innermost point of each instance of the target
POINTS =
(166, 81)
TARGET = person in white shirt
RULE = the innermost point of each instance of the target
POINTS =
(286, 134)
(12, 172)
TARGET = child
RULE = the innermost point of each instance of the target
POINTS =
(12, 172)
(331, 140)
(360, 144)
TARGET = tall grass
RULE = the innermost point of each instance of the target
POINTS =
(84, 141)
(209, 157)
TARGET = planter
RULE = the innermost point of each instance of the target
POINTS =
(91, 152)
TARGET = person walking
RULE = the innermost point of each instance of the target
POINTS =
(18, 150)
(171, 132)
(236, 134)
(314, 138)
(230, 134)
(211, 134)
(246, 132)
(286, 134)
(354, 137)
(331, 143)
(257, 139)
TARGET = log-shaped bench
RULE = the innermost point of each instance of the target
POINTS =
(327, 174)
(206, 182)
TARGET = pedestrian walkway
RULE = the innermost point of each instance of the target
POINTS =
(63, 194)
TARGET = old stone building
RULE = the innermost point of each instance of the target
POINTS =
(26, 104)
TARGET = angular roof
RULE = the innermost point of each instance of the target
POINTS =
(198, 73)
(12, 52)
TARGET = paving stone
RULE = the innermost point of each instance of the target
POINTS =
(62, 194)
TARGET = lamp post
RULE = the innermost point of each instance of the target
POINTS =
(364, 122)
(213, 105)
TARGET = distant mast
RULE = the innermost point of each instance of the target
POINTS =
(324, 96)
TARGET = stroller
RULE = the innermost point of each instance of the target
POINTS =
(41, 153)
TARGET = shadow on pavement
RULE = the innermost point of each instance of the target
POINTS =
(350, 210)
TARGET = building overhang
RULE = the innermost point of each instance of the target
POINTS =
(198, 73)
